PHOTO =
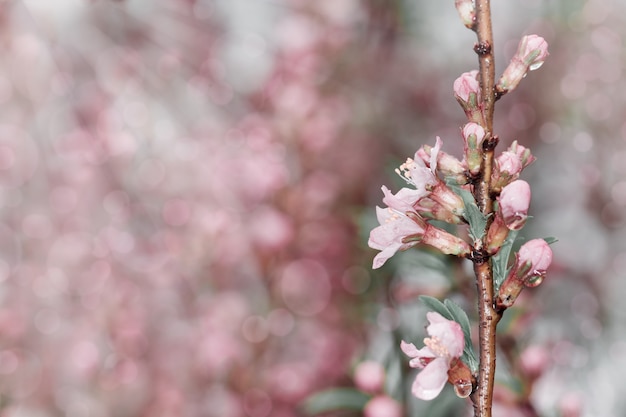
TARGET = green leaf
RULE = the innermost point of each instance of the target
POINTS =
(434, 304)
(550, 240)
(335, 399)
(460, 316)
(476, 219)
(501, 259)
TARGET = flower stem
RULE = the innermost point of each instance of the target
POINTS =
(489, 317)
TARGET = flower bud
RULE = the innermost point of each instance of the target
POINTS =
(467, 93)
(522, 153)
(533, 50)
(531, 53)
(514, 202)
(467, 12)
(473, 136)
(531, 264)
(447, 243)
(508, 166)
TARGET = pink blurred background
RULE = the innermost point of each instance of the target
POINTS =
(187, 186)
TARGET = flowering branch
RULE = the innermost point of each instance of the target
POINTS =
(483, 192)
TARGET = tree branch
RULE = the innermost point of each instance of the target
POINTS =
(488, 315)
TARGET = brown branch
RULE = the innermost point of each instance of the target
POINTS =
(488, 317)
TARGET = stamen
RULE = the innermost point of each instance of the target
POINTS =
(435, 345)
(404, 171)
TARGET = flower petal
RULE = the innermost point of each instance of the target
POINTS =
(430, 381)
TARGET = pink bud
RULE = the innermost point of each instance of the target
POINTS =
(465, 86)
(369, 376)
(531, 264)
(473, 134)
(538, 255)
(533, 50)
(382, 406)
(509, 163)
(514, 202)
(507, 168)
(531, 53)
(522, 153)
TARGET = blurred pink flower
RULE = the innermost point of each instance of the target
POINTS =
(382, 406)
(369, 376)
(444, 345)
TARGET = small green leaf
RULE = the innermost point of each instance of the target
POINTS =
(476, 219)
(460, 316)
(550, 240)
(434, 304)
(335, 399)
(501, 259)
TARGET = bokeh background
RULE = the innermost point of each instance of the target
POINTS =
(187, 187)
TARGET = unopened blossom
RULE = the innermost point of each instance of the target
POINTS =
(467, 12)
(508, 167)
(514, 202)
(467, 93)
(523, 153)
(531, 263)
(531, 53)
(473, 136)
(443, 347)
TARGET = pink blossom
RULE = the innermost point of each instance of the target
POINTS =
(420, 174)
(537, 254)
(396, 232)
(404, 200)
(444, 345)
(514, 203)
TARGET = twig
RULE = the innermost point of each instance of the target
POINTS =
(488, 316)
